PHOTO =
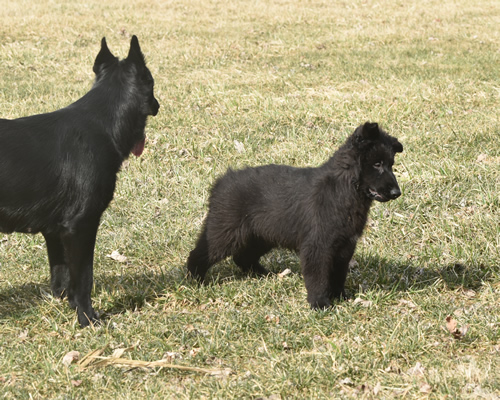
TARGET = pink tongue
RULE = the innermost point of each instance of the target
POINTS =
(138, 148)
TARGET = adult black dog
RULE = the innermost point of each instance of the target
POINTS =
(320, 212)
(58, 170)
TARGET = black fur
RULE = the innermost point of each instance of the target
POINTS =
(58, 170)
(320, 212)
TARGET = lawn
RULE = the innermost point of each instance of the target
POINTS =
(255, 82)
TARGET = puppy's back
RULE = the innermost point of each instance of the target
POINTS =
(268, 202)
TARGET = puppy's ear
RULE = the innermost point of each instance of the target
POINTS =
(370, 131)
(396, 146)
(135, 54)
(104, 57)
(366, 135)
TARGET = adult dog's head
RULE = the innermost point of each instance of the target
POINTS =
(129, 86)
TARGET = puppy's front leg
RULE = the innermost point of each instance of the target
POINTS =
(315, 264)
(342, 252)
(340, 268)
(79, 246)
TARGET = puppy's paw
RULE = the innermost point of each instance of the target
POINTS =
(340, 295)
(320, 302)
(195, 276)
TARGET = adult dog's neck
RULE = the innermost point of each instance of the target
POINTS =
(113, 103)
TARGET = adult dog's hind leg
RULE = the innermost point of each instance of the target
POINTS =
(248, 257)
(79, 246)
(59, 272)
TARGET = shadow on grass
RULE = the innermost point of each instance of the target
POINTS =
(129, 292)
(17, 300)
(375, 272)
(117, 293)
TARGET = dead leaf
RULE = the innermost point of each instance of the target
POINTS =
(117, 256)
(240, 147)
(171, 355)
(70, 357)
(408, 303)
(284, 273)
(482, 157)
(272, 318)
(451, 325)
(364, 303)
(346, 381)
(377, 388)
(194, 351)
(76, 383)
(425, 388)
(463, 330)
(417, 370)
(23, 335)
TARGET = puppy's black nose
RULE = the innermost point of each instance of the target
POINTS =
(395, 193)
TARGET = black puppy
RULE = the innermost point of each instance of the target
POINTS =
(58, 170)
(320, 212)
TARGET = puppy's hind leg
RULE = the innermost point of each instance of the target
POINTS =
(59, 272)
(198, 261)
(248, 257)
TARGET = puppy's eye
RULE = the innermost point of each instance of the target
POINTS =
(378, 165)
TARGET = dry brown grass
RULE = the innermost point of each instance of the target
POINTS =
(288, 81)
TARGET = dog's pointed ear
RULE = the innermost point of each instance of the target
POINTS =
(365, 135)
(135, 54)
(396, 146)
(370, 131)
(104, 57)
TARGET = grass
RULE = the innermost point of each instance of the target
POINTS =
(285, 82)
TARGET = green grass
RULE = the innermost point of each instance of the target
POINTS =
(290, 80)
